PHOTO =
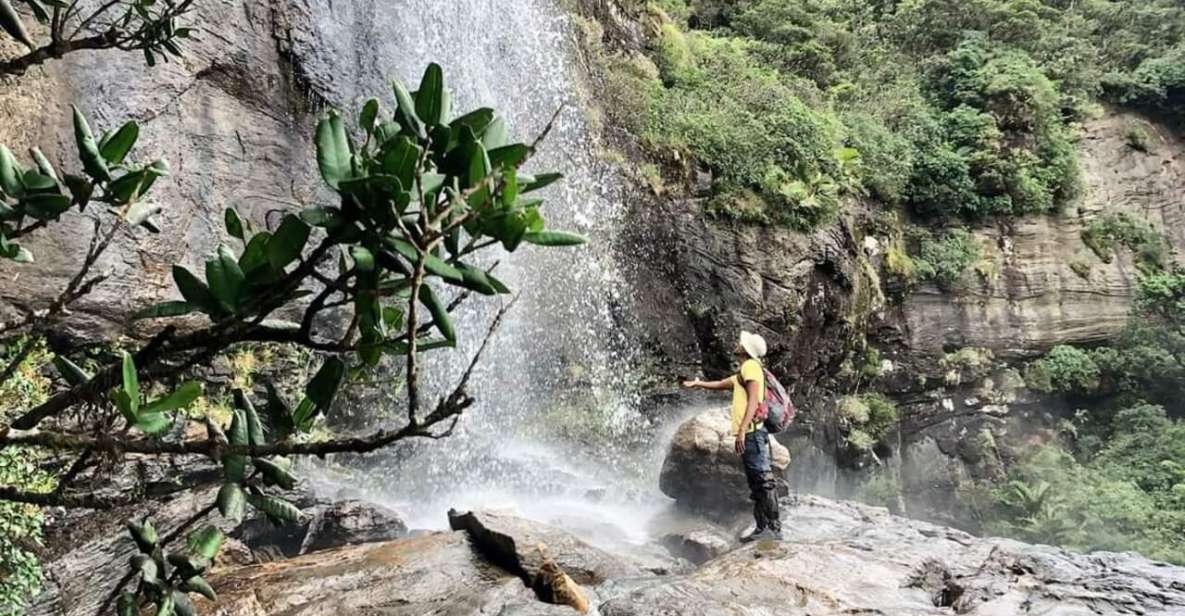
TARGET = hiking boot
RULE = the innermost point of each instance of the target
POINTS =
(758, 533)
(761, 535)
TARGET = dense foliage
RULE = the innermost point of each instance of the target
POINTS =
(954, 109)
(20, 523)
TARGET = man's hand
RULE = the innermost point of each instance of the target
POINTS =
(740, 443)
(692, 384)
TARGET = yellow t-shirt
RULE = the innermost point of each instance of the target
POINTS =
(750, 371)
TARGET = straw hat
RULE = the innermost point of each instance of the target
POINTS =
(753, 344)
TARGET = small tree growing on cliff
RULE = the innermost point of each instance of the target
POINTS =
(419, 194)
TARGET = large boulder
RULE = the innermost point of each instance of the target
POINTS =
(523, 546)
(351, 522)
(703, 471)
(842, 558)
(326, 524)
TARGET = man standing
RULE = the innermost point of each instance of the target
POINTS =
(752, 441)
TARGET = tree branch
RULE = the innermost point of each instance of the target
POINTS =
(55, 50)
(54, 499)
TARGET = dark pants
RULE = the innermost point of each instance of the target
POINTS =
(763, 488)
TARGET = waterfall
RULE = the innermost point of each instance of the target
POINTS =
(555, 394)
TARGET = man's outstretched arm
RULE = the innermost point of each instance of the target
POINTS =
(722, 384)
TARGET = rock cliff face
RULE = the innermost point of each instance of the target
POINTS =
(1032, 299)
(231, 118)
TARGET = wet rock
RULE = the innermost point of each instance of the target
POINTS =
(324, 525)
(523, 547)
(842, 558)
(436, 574)
(351, 522)
(698, 545)
(90, 550)
(234, 553)
(702, 470)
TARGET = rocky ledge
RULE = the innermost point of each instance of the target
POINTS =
(838, 558)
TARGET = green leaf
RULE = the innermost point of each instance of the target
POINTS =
(363, 258)
(144, 535)
(230, 501)
(127, 605)
(238, 433)
(70, 371)
(166, 606)
(116, 147)
(477, 280)
(323, 386)
(477, 121)
(496, 135)
(255, 433)
(140, 212)
(81, 189)
(287, 243)
(509, 156)
(11, 22)
(195, 291)
(439, 312)
(144, 565)
(303, 415)
(43, 164)
(234, 224)
(541, 180)
(278, 510)
(45, 206)
(179, 399)
(406, 114)
(205, 542)
(165, 309)
(153, 423)
(274, 474)
(92, 160)
(554, 238)
(199, 585)
(10, 172)
(401, 159)
(432, 263)
(254, 261)
(188, 565)
(278, 413)
(432, 99)
(334, 150)
(131, 382)
(370, 111)
(234, 468)
(226, 278)
(182, 606)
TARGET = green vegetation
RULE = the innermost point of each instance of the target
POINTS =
(20, 523)
(1118, 481)
(1129, 495)
(418, 193)
(1149, 246)
(944, 258)
(868, 420)
(958, 110)
(967, 364)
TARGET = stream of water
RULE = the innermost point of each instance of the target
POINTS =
(556, 394)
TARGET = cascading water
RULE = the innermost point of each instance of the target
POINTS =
(555, 393)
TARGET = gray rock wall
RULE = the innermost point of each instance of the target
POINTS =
(232, 120)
